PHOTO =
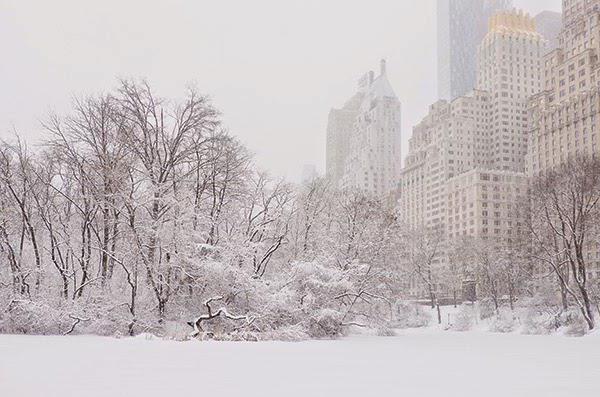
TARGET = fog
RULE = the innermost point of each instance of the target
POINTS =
(274, 68)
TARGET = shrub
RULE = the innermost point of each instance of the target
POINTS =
(504, 322)
(464, 319)
(537, 322)
(327, 323)
(410, 315)
(486, 309)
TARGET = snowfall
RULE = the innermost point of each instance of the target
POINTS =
(420, 363)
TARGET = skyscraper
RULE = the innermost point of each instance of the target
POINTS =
(466, 159)
(339, 128)
(462, 24)
(373, 161)
(509, 67)
(549, 25)
(463, 175)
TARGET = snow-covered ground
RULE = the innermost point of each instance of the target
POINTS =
(418, 363)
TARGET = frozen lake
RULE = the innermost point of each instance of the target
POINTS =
(416, 363)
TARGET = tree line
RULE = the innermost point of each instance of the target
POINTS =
(139, 213)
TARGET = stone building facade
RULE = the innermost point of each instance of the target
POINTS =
(363, 138)
(564, 114)
(483, 132)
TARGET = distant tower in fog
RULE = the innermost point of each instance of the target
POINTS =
(309, 173)
(462, 25)
(339, 127)
(549, 25)
(374, 156)
(363, 138)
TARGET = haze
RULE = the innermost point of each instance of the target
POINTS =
(274, 68)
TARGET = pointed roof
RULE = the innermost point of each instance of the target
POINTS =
(381, 88)
(378, 88)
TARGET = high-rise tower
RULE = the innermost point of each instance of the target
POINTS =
(509, 67)
(373, 162)
(462, 24)
(549, 25)
(464, 170)
(339, 128)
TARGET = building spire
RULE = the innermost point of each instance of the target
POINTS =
(382, 67)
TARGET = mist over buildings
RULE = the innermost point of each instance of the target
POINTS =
(273, 68)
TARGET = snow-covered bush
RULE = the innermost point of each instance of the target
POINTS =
(537, 322)
(505, 322)
(385, 331)
(410, 315)
(326, 323)
(486, 309)
(464, 319)
(29, 317)
(573, 324)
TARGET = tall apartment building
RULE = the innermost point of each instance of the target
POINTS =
(549, 25)
(461, 26)
(478, 141)
(373, 160)
(509, 68)
(339, 128)
(449, 141)
(565, 120)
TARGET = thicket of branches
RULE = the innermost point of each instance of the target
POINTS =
(140, 214)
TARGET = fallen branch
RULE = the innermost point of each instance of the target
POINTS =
(77, 321)
(196, 324)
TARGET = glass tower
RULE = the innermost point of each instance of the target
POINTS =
(462, 25)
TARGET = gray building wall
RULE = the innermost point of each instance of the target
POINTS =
(549, 25)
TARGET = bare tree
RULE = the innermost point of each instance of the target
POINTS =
(161, 140)
(423, 251)
(563, 222)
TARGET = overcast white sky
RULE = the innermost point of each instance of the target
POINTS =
(273, 67)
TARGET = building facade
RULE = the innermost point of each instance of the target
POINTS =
(483, 204)
(464, 175)
(565, 115)
(447, 142)
(461, 25)
(371, 146)
(339, 128)
(509, 68)
(565, 119)
(484, 132)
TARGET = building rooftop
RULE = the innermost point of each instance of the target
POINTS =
(512, 22)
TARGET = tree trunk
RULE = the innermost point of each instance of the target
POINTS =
(454, 297)
(586, 308)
